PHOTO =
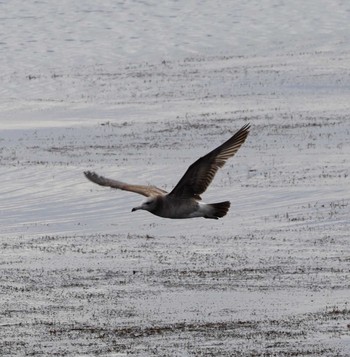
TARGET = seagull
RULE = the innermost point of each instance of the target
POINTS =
(184, 200)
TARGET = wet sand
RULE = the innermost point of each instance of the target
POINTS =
(82, 275)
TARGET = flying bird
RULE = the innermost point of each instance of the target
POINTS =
(184, 200)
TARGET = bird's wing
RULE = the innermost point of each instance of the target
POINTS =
(148, 191)
(201, 173)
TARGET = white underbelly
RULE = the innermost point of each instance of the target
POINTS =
(184, 209)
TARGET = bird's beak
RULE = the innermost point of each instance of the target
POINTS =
(136, 208)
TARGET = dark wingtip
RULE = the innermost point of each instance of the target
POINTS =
(93, 177)
(245, 127)
(89, 174)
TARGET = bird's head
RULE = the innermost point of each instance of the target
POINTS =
(148, 205)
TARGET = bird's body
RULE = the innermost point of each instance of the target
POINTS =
(184, 200)
(167, 206)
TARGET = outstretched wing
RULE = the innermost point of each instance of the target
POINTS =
(201, 173)
(148, 191)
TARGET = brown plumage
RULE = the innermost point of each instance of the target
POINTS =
(183, 200)
(148, 191)
(200, 174)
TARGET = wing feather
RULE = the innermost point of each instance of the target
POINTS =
(148, 191)
(200, 174)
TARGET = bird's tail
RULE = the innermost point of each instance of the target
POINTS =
(218, 210)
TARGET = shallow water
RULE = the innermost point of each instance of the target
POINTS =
(80, 273)
(43, 34)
